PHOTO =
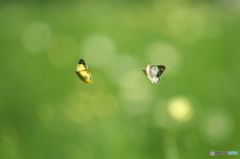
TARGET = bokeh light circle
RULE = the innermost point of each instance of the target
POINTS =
(180, 109)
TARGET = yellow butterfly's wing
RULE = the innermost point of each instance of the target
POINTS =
(82, 65)
(83, 72)
(85, 76)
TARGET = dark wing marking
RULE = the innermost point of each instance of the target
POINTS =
(161, 70)
(82, 62)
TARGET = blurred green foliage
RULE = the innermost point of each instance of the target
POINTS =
(46, 112)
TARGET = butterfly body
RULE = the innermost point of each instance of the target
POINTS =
(83, 72)
(154, 72)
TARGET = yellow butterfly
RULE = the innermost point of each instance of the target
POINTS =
(83, 72)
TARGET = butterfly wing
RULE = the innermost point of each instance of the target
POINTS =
(154, 79)
(82, 65)
(85, 76)
(155, 73)
(147, 71)
(83, 72)
(157, 70)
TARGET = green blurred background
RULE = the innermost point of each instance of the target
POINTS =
(47, 113)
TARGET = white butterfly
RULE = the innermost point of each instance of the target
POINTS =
(154, 72)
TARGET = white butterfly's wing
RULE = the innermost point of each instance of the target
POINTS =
(146, 69)
(154, 72)
(154, 79)
(152, 75)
